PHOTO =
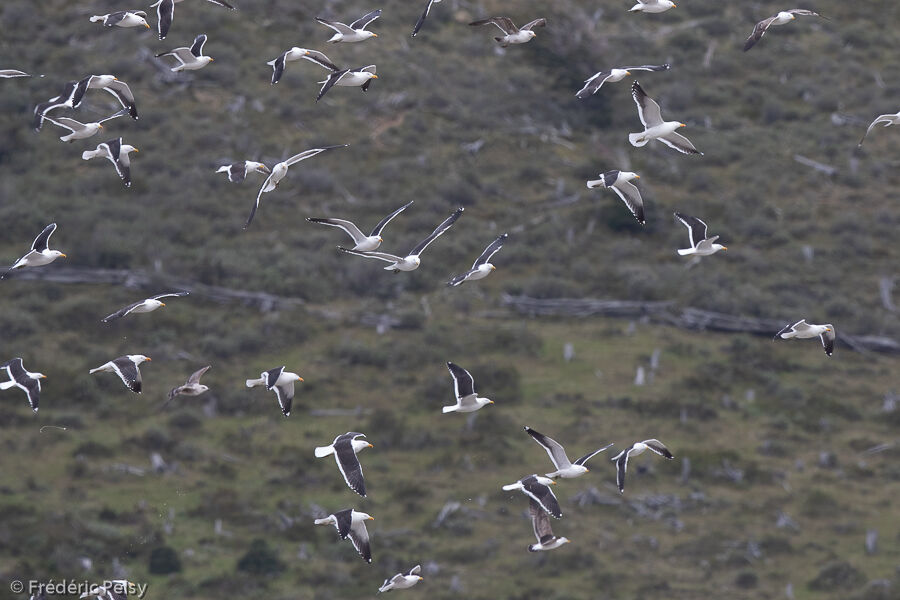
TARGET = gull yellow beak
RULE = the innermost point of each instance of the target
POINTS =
(380, 239)
(490, 401)
(136, 150)
(100, 125)
(376, 35)
(628, 72)
(115, 78)
(371, 518)
(493, 268)
(552, 483)
(827, 329)
(150, 359)
(637, 176)
(211, 59)
(43, 377)
(421, 579)
(63, 255)
(371, 445)
(147, 25)
(568, 541)
(162, 303)
(724, 247)
(300, 379)
(682, 125)
(586, 469)
(374, 76)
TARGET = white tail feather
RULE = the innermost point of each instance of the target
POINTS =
(637, 139)
(686, 251)
(255, 382)
(595, 183)
(325, 521)
(510, 487)
(322, 451)
(96, 18)
(447, 409)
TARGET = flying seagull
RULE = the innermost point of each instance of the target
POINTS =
(540, 522)
(464, 390)
(40, 253)
(355, 32)
(700, 244)
(888, 120)
(411, 261)
(785, 16)
(402, 581)
(189, 59)
(364, 243)
(126, 367)
(620, 183)
(654, 127)
(282, 382)
(652, 6)
(25, 380)
(296, 53)
(73, 94)
(191, 387)
(596, 81)
(803, 330)
(621, 459)
(538, 489)
(344, 447)
(165, 10)
(423, 17)
(144, 306)
(511, 33)
(564, 467)
(238, 171)
(79, 130)
(481, 268)
(361, 78)
(279, 172)
(117, 153)
(352, 524)
(123, 18)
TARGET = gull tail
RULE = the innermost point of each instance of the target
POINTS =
(510, 487)
(325, 521)
(447, 409)
(637, 139)
(255, 382)
(685, 251)
(97, 18)
(7, 384)
(595, 183)
(92, 371)
(323, 451)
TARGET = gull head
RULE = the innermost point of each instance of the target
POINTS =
(56, 254)
(138, 358)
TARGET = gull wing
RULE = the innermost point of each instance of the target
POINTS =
(648, 109)
(196, 375)
(197, 46)
(389, 218)
(540, 522)
(696, 228)
(491, 250)
(123, 94)
(420, 247)
(593, 83)
(828, 339)
(531, 25)
(310, 153)
(759, 30)
(463, 382)
(339, 27)
(222, 3)
(170, 295)
(350, 228)
(70, 124)
(165, 11)
(631, 196)
(121, 312)
(379, 255)
(423, 17)
(504, 23)
(881, 119)
(330, 82)
(359, 535)
(664, 67)
(554, 449)
(363, 22)
(658, 447)
(676, 141)
(590, 455)
(42, 241)
(320, 59)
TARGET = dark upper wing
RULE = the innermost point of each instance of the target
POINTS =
(285, 395)
(222, 3)
(827, 339)
(113, 18)
(128, 372)
(165, 10)
(533, 24)
(621, 467)
(554, 449)
(272, 375)
(197, 46)
(43, 239)
(461, 278)
(414, 571)
(491, 250)
(387, 219)
(758, 31)
(648, 109)
(504, 23)
(121, 312)
(590, 455)
(44, 107)
(349, 465)
(804, 13)
(278, 67)
(631, 196)
(420, 247)
(123, 94)
(343, 519)
(423, 17)
(362, 22)
(237, 172)
(329, 83)
(696, 227)
(114, 154)
(463, 382)
(79, 90)
(543, 495)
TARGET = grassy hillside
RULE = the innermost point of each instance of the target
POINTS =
(777, 489)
